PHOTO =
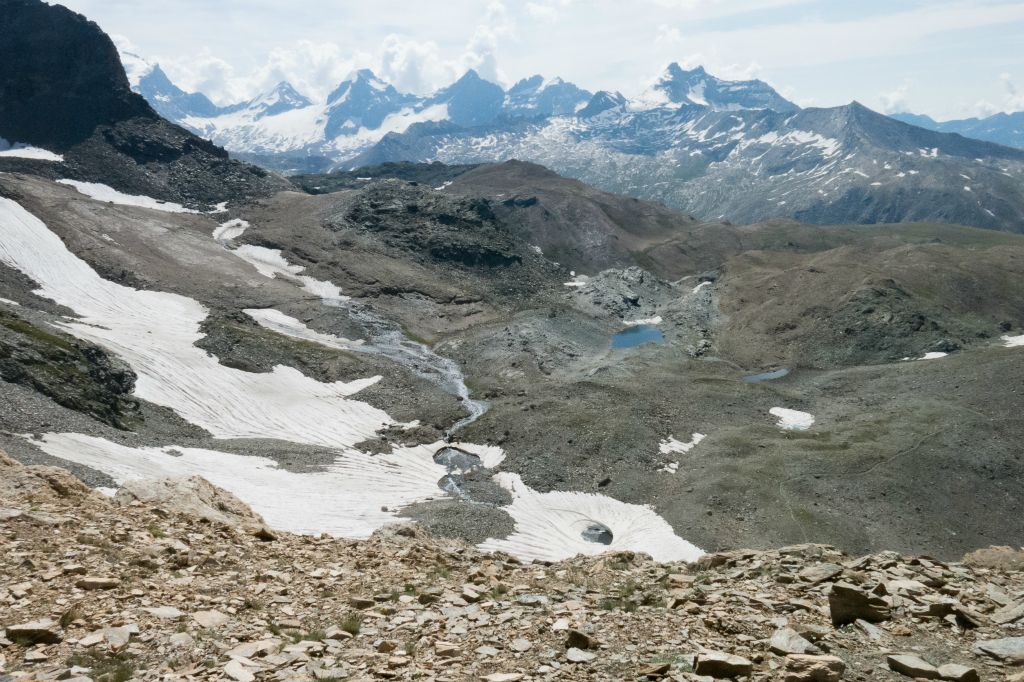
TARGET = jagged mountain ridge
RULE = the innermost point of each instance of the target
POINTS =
(730, 150)
(841, 165)
(677, 86)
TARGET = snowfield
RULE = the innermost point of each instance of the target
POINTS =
(640, 323)
(156, 332)
(670, 445)
(1014, 341)
(100, 192)
(270, 263)
(549, 526)
(25, 151)
(345, 500)
(232, 229)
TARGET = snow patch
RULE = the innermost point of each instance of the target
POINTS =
(637, 323)
(933, 356)
(100, 192)
(792, 420)
(276, 321)
(8, 301)
(550, 526)
(270, 263)
(233, 229)
(1014, 341)
(671, 445)
(26, 151)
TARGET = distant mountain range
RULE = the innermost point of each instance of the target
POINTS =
(1001, 128)
(720, 149)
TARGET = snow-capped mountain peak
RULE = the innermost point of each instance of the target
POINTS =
(283, 97)
(471, 100)
(362, 101)
(601, 102)
(135, 67)
(358, 83)
(539, 96)
(169, 100)
(677, 86)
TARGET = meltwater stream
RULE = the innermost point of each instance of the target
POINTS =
(387, 340)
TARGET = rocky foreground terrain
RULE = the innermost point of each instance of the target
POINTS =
(179, 580)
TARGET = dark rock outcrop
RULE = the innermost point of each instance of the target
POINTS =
(73, 373)
(62, 87)
(60, 77)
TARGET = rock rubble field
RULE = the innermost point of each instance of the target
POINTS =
(178, 580)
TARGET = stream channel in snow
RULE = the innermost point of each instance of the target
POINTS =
(387, 340)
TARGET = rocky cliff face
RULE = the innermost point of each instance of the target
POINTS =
(63, 88)
(61, 77)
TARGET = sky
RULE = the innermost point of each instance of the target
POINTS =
(944, 58)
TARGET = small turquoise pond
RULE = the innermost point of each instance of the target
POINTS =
(638, 336)
(766, 376)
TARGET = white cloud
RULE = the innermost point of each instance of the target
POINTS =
(316, 68)
(1014, 96)
(706, 9)
(207, 73)
(895, 101)
(539, 12)
(668, 35)
(413, 66)
(1012, 99)
(833, 51)
(481, 51)
(313, 68)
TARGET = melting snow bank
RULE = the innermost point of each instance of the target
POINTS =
(25, 151)
(638, 323)
(270, 263)
(8, 301)
(792, 420)
(95, 190)
(933, 356)
(276, 321)
(156, 332)
(553, 526)
(671, 445)
(350, 496)
(347, 499)
(232, 229)
(1014, 341)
